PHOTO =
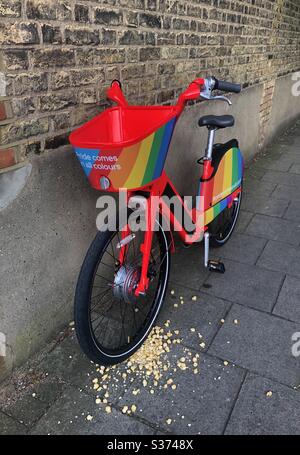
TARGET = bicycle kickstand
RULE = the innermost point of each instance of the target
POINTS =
(213, 266)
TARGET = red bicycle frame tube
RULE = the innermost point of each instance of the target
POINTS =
(155, 205)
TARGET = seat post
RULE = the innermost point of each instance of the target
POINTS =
(210, 143)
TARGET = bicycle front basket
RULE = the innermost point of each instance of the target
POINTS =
(128, 146)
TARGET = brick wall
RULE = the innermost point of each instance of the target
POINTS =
(58, 56)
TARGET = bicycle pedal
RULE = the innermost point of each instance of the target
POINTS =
(216, 266)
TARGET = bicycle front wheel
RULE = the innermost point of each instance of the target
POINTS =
(111, 322)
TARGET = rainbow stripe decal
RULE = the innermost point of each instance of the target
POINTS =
(213, 212)
(216, 191)
(129, 167)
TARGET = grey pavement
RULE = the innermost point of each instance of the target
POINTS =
(239, 375)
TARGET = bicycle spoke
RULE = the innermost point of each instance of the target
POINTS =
(114, 325)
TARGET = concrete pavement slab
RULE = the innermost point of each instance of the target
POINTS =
(281, 257)
(258, 187)
(27, 409)
(279, 229)
(186, 260)
(282, 178)
(287, 193)
(293, 212)
(266, 205)
(69, 416)
(288, 303)
(203, 314)
(9, 426)
(255, 413)
(243, 220)
(200, 404)
(259, 342)
(242, 248)
(246, 284)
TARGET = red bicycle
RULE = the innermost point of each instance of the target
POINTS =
(124, 276)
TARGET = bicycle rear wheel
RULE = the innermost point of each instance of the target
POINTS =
(222, 226)
(111, 322)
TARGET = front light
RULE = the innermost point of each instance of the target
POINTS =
(104, 183)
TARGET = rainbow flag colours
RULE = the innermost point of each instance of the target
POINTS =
(129, 167)
(216, 191)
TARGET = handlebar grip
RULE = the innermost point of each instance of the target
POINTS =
(227, 86)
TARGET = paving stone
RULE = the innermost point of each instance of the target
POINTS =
(265, 205)
(243, 221)
(256, 414)
(292, 152)
(293, 211)
(26, 410)
(9, 426)
(256, 173)
(281, 257)
(203, 315)
(282, 178)
(258, 187)
(204, 399)
(242, 248)
(69, 416)
(295, 168)
(67, 362)
(279, 229)
(287, 193)
(287, 304)
(259, 342)
(48, 391)
(281, 163)
(246, 284)
(70, 364)
(187, 266)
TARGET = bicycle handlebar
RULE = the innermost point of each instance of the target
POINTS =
(227, 86)
(199, 87)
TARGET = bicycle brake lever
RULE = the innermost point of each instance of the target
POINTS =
(208, 96)
(221, 97)
(206, 92)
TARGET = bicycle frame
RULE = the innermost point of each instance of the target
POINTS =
(156, 205)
